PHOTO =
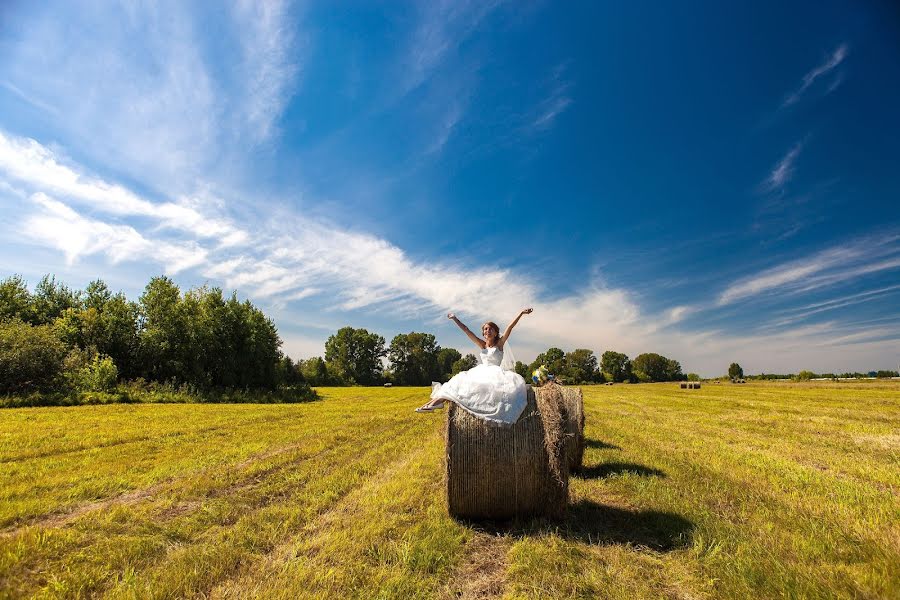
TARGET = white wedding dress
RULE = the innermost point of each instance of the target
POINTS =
(488, 391)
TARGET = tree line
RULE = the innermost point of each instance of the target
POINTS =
(357, 357)
(94, 337)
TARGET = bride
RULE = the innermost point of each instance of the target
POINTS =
(490, 390)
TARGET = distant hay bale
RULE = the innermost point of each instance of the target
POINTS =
(571, 400)
(501, 472)
(684, 386)
(697, 386)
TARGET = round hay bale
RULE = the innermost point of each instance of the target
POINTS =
(503, 472)
(571, 400)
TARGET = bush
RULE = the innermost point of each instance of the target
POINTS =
(31, 357)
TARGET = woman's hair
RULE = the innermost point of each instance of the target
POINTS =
(493, 326)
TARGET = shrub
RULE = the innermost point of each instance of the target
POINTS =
(31, 357)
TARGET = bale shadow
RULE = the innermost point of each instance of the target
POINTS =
(596, 524)
(590, 443)
(605, 470)
(593, 523)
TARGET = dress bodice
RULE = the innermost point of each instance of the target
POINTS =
(491, 356)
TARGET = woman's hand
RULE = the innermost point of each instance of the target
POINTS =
(451, 316)
(527, 311)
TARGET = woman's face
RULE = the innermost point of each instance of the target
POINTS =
(489, 333)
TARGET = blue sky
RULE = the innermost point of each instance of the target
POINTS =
(716, 182)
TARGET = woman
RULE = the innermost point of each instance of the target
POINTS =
(486, 390)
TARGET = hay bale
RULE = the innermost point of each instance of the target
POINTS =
(571, 400)
(696, 386)
(684, 386)
(501, 472)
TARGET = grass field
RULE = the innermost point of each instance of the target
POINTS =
(762, 490)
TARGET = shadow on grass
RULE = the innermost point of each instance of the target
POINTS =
(604, 470)
(591, 523)
(589, 443)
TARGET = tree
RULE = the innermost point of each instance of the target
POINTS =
(693, 377)
(580, 366)
(314, 371)
(15, 301)
(464, 364)
(31, 357)
(523, 370)
(413, 358)
(616, 366)
(554, 359)
(650, 366)
(735, 371)
(50, 300)
(356, 354)
(673, 371)
(447, 357)
(163, 331)
(805, 375)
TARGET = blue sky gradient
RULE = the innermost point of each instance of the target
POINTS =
(716, 182)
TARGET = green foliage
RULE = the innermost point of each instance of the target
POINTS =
(314, 371)
(580, 367)
(414, 358)
(805, 375)
(31, 357)
(447, 357)
(355, 355)
(50, 300)
(616, 366)
(553, 358)
(655, 367)
(15, 300)
(693, 377)
(523, 370)
(464, 364)
(735, 371)
(98, 375)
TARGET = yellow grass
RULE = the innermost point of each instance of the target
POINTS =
(761, 490)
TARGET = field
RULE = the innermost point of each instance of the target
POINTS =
(761, 490)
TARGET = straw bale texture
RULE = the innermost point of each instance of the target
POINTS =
(571, 401)
(501, 472)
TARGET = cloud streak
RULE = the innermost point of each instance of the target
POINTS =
(826, 268)
(831, 62)
(32, 164)
(783, 171)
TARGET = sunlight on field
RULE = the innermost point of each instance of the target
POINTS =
(763, 490)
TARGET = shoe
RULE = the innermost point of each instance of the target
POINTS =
(423, 409)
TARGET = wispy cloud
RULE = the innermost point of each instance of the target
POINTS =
(830, 63)
(557, 100)
(167, 113)
(783, 171)
(40, 169)
(270, 63)
(825, 268)
(59, 226)
(443, 25)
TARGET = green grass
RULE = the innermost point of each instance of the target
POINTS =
(762, 490)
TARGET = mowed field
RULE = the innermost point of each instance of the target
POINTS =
(731, 491)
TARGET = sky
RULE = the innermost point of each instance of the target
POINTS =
(715, 182)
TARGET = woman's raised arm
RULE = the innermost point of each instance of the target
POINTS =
(509, 327)
(478, 341)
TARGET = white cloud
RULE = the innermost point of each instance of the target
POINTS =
(830, 63)
(557, 101)
(783, 171)
(825, 268)
(149, 92)
(58, 226)
(32, 164)
(270, 61)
